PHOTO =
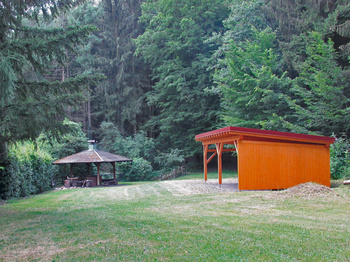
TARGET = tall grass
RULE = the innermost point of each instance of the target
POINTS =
(158, 221)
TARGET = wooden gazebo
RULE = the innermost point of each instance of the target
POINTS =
(92, 156)
(270, 159)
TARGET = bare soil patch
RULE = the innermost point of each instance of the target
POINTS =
(198, 186)
(44, 252)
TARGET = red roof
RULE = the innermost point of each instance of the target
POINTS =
(92, 156)
(267, 134)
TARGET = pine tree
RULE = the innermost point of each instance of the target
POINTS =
(87, 60)
(315, 46)
(29, 103)
(322, 105)
(121, 96)
(297, 16)
(174, 45)
(254, 90)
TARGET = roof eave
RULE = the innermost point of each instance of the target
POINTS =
(283, 136)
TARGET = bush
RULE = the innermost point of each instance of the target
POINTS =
(171, 160)
(139, 146)
(29, 171)
(135, 146)
(340, 159)
(139, 170)
(73, 141)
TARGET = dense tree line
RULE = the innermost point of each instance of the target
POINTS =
(292, 77)
(173, 69)
(178, 68)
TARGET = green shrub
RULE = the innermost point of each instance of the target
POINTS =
(29, 171)
(171, 160)
(139, 146)
(135, 146)
(139, 170)
(73, 141)
(340, 159)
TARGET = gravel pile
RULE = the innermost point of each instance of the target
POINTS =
(307, 190)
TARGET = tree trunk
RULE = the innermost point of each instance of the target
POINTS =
(3, 154)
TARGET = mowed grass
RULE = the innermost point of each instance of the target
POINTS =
(159, 221)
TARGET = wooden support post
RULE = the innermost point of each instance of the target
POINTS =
(88, 169)
(236, 146)
(205, 154)
(98, 174)
(219, 149)
(71, 170)
(113, 164)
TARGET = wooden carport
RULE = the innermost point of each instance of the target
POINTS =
(270, 159)
(92, 156)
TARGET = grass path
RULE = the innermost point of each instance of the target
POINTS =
(162, 221)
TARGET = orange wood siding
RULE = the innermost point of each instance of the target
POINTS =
(265, 165)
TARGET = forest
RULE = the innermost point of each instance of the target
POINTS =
(143, 77)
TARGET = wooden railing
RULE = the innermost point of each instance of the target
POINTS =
(182, 170)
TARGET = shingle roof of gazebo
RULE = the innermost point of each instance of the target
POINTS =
(92, 156)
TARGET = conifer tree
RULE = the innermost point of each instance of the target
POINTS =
(315, 46)
(174, 45)
(122, 93)
(29, 103)
(321, 104)
(253, 88)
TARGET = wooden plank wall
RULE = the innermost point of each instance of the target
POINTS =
(264, 165)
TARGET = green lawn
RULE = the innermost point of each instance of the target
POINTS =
(158, 221)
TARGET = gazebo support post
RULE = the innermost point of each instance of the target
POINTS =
(113, 164)
(88, 169)
(98, 173)
(205, 162)
(219, 149)
(71, 170)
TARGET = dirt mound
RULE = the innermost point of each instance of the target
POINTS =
(308, 190)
